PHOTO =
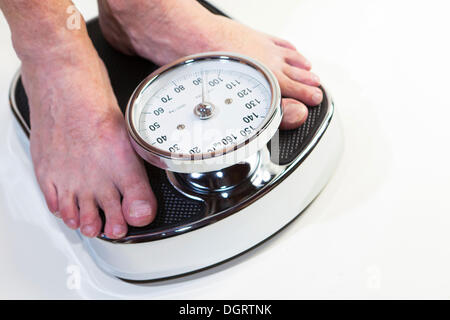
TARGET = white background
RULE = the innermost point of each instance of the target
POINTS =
(380, 229)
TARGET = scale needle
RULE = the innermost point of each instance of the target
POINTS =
(204, 90)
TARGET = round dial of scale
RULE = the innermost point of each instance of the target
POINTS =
(204, 112)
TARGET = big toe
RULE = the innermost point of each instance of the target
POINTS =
(139, 203)
(295, 114)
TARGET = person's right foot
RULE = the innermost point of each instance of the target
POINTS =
(80, 148)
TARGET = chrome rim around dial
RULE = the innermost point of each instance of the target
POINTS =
(204, 112)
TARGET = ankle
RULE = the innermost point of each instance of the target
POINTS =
(172, 22)
(73, 55)
(44, 31)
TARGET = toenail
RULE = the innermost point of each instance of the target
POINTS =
(140, 208)
(293, 113)
(301, 113)
(308, 64)
(88, 230)
(317, 96)
(315, 78)
(72, 223)
(119, 230)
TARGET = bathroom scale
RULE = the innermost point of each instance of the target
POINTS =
(209, 211)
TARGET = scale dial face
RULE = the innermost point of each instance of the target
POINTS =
(202, 107)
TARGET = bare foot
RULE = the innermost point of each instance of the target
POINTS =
(164, 30)
(80, 148)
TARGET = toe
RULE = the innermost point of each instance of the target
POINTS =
(301, 75)
(309, 95)
(295, 114)
(295, 59)
(51, 196)
(283, 43)
(68, 209)
(90, 222)
(139, 203)
(115, 226)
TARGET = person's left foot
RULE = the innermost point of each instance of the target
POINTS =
(165, 30)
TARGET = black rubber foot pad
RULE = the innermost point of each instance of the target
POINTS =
(126, 72)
